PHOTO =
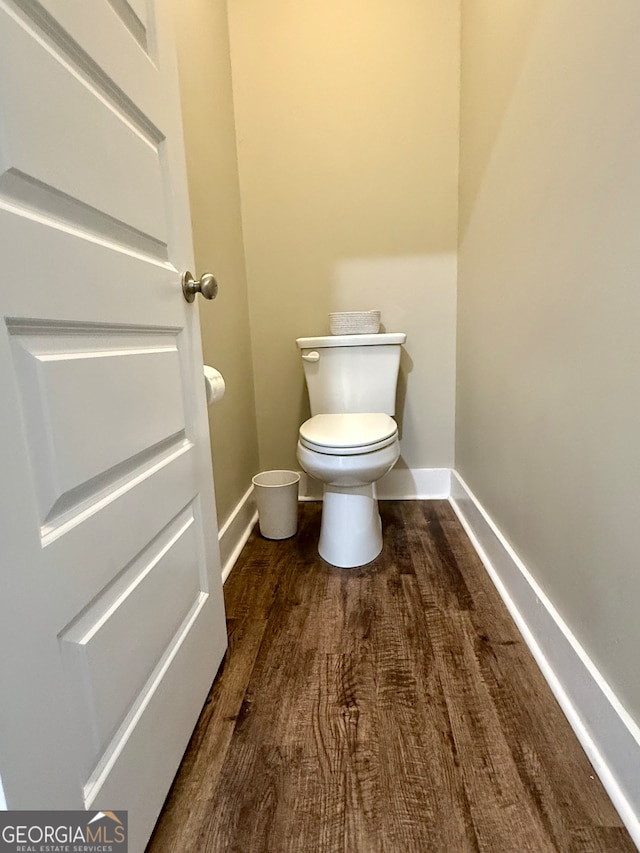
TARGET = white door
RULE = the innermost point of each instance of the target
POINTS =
(111, 614)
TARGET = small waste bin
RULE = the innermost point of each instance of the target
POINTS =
(277, 497)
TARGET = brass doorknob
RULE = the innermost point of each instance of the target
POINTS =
(206, 285)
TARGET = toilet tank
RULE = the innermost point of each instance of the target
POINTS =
(352, 373)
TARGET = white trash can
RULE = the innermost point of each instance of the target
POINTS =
(277, 497)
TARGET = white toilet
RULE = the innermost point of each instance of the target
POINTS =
(351, 440)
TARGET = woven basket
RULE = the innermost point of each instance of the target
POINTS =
(354, 322)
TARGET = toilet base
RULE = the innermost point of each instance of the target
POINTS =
(351, 531)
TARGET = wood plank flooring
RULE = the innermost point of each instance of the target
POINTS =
(389, 709)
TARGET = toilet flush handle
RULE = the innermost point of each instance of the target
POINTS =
(311, 356)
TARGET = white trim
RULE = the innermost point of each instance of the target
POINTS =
(608, 734)
(236, 530)
(400, 484)
(309, 489)
(3, 802)
(410, 484)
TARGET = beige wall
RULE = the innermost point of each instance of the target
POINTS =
(205, 78)
(347, 122)
(548, 409)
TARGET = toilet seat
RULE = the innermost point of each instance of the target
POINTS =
(348, 434)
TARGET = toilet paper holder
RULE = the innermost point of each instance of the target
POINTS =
(214, 385)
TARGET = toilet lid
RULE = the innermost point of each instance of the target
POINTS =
(348, 433)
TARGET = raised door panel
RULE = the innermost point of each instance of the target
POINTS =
(56, 165)
(71, 384)
(119, 641)
(108, 42)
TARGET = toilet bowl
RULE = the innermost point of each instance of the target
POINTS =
(348, 453)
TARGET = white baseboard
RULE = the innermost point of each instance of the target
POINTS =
(410, 484)
(234, 533)
(400, 484)
(308, 488)
(609, 736)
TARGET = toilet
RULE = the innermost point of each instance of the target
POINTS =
(351, 440)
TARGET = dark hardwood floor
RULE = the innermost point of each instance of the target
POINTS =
(389, 709)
